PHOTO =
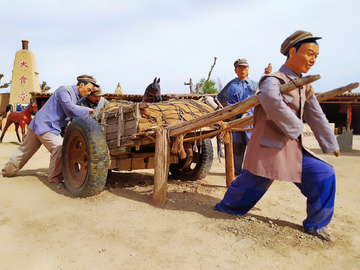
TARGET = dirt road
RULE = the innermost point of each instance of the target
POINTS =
(43, 227)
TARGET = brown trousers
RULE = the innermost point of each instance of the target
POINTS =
(28, 148)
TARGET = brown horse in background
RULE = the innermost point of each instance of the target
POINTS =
(3, 115)
(20, 119)
(153, 92)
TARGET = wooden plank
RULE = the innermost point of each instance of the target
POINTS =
(129, 116)
(232, 110)
(162, 153)
(112, 128)
(112, 120)
(130, 127)
(111, 136)
(137, 163)
(129, 132)
(128, 141)
(130, 124)
(335, 92)
(119, 150)
(130, 164)
(113, 144)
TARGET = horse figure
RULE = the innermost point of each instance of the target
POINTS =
(20, 119)
(153, 92)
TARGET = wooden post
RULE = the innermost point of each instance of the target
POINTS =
(191, 86)
(348, 118)
(229, 161)
(162, 154)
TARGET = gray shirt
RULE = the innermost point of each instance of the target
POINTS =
(86, 102)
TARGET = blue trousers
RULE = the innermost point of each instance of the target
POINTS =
(317, 185)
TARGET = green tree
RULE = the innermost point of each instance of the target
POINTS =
(209, 87)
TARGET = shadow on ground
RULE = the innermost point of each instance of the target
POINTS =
(181, 196)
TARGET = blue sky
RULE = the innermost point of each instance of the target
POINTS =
(132, 42)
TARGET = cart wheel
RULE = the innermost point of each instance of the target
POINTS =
(84, 158)
(195, 166)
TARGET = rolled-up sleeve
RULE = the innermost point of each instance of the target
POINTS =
(276, 109)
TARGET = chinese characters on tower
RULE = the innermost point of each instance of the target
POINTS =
(24, 64)
(23, 79)
(22, 96)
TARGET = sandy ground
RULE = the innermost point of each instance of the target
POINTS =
(44, 227)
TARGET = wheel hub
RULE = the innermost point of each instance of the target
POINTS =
(77, 155)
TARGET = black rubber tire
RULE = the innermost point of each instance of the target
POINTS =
(84, 158)
(200, 164)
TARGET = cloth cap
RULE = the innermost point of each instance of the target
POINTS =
(87, 78)
(241, 62)
(97, 92)
(295, 38)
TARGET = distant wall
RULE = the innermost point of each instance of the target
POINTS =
(4, 100)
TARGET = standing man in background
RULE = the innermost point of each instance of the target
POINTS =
(241, 89)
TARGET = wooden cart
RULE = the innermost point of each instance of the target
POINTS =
(122, 139)
(113, 141)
